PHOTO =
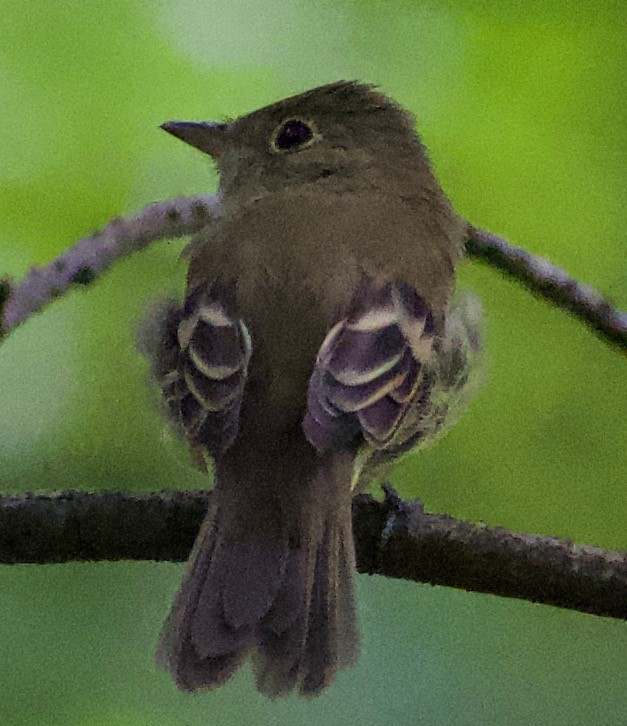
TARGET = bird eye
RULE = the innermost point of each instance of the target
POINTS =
(292, 134)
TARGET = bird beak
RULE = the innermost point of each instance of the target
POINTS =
(207, 136)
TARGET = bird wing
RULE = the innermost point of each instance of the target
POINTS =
(369, 374)
(452, 377)
(201, 365)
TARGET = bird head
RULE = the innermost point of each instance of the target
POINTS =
(331, 135)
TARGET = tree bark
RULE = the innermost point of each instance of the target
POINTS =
(393, 538)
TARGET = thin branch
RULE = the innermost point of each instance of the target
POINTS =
(552, 283)
(393, 538)
(89, 258)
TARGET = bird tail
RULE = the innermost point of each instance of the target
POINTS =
(271, 576)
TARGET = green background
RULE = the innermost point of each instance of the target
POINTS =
(521, 105)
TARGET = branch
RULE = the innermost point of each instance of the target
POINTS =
(551, 282)
(393, 538)
(89, 258)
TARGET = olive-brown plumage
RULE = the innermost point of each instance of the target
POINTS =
(316, 330)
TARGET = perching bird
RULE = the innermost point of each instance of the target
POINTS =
(316, 344)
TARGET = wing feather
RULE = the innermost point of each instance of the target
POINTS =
(369, 370)
(200, 357)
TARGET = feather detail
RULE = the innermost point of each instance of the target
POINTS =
(283, 595)
(369, 369)
(200, 356)
(449, 382)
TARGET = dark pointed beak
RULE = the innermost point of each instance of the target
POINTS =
(207, 136)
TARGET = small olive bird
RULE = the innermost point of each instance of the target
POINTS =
(317, 342)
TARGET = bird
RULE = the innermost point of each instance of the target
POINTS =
(320, 339)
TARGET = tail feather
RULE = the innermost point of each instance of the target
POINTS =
(211, 634)
(308, 650)
(195, 674)
(283, 632)
(320, 658)
(348, 632)
(177, 653)
(248, 598)
(287, 600)
(289, 603)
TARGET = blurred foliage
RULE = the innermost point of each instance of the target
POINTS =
(522, 108)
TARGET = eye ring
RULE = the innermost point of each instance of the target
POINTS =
(286, 136)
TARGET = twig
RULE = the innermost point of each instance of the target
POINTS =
(89, 258)
(551, 282)
(393, 538)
